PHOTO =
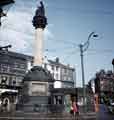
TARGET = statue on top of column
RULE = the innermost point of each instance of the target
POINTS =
(40, 11)
(40, 20)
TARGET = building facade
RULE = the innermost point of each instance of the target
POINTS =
(64, 75)
(13, 67)
(103, 85)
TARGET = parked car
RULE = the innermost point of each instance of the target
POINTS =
(111, 107)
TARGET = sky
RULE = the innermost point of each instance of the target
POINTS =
(69, 24)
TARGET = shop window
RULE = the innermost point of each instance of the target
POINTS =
(3, 80)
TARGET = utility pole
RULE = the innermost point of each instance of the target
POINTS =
(83, 76)
(83, 48)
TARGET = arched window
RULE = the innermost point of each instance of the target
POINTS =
(4, 80)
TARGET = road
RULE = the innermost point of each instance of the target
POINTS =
(103, 114)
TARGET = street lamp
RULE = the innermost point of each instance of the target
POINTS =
(83, 48)
(4, 7)
(5, 47)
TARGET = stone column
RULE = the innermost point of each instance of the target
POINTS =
(38, 52)
(39, 22)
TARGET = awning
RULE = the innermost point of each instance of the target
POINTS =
(8, 90)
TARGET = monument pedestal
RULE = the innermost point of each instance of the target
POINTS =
(38, 83)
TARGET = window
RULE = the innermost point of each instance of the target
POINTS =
(22, 66)
(56, 76)
(53, 74)
(65, 78)
(45, 65)
(14, 82)
(19, 81)
(3, 80)
(16, 65)
(10, 80)
(69, 79)
(57, 68)
(4, 68)
(65, 70)
(52, 67)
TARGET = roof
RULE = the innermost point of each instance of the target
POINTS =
(60, 64)
(38, 73)
(19, 55)
(16, 55)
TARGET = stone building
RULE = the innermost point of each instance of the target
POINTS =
(64, 75)
(13, 67)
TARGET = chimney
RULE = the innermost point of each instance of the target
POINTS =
(57, 60)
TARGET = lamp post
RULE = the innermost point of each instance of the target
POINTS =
(113, 65)
(83, 48)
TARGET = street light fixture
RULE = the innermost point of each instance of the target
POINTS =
(83, 48)
(113, 65)
(4, 7)
(5, 47)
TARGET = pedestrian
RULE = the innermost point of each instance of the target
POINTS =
(0, 105)
(75, 108)
(71, 110)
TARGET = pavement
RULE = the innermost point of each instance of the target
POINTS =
(45, 116)
(88, 116)
(103, 114)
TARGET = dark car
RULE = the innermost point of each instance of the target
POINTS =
(111, 107)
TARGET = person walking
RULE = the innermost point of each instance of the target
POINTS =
(75, 108)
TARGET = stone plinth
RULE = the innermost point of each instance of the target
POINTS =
(37, 85)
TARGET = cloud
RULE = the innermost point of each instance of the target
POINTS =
(17, 28)
(17, 31)
(48, 34)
